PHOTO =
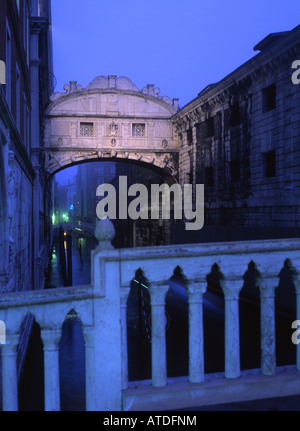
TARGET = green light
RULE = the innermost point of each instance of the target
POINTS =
(65, 217)
(141, 284)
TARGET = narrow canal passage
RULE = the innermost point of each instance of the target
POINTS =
(72, 355)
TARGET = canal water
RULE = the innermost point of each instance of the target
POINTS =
(72, 352)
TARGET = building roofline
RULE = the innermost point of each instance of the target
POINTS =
(272, 51)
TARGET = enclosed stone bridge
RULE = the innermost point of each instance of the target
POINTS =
(111, 119)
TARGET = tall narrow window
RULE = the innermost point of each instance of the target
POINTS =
(8, 66)
(189, 136)
(235, 116)
(210, 127)
(269, 163)
(18, 98)
(269, 98)
(235, 170)
(209, 176)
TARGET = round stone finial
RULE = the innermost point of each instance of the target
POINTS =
(104, 232)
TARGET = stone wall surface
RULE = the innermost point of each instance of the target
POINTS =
(110, 118)
(24, 191)
(240, 137)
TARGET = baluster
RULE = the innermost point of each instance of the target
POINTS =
(231, 289)
(267, 324)
(50, 338)
(158, 335)
(10, 373)
(89, 338)
(124, 296)
(196, 346)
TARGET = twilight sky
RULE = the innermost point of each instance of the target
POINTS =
(179, 45)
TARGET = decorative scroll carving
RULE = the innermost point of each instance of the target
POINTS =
(113, 129)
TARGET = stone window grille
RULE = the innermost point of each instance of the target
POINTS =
(86, 129)
(138, 130)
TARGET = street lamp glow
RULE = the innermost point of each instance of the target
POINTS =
(65, 217)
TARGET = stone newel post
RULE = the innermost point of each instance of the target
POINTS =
(90, 363)
(231, 289)
(196, 346)
(107, 317)
(50, 338)
(158, 334)
(9, 373)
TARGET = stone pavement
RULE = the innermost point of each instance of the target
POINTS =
(270, 404)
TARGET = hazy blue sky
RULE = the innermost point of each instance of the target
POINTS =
(180, 46)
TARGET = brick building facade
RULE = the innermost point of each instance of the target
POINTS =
(241, 138)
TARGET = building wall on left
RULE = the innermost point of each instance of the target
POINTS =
(25, 44)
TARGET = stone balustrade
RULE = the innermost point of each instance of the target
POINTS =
(102, 310)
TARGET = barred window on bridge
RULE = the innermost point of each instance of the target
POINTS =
(86, 129)
(138, 130)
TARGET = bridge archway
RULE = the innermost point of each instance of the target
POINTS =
(164, 173)
(111, 119)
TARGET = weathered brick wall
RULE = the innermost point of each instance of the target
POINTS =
(275, 200)
(242, 141)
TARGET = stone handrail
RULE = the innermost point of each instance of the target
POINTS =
(102, 310)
